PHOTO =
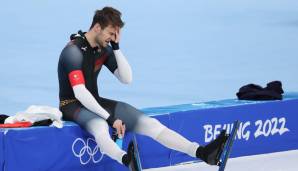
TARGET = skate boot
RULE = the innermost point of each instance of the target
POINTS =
(132, 165)
(212, 151)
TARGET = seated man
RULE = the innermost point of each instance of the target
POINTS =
(79, 66)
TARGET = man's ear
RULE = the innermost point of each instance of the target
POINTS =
(97, 27)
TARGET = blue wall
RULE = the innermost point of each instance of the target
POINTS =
(266, 127)
(2, 149)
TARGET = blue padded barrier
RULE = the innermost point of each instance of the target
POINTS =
(2, 149)
(266, 126)
(44, 148)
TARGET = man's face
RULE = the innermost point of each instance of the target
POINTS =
(104, 36)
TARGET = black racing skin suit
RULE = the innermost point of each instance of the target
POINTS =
(79, 55)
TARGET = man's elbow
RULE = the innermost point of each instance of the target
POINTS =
(126, 80)
(78, 96)
(79, 91)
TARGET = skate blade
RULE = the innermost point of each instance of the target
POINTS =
(219, 162)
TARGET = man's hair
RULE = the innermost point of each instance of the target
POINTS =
(107, 16)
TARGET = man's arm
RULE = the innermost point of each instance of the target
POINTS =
(86, 98)
(73, 64)
(123, 71)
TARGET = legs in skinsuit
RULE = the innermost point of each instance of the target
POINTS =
(153, 128)
(135, 121)
(99, 128)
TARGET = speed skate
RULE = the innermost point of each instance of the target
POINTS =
(136, 162)
(224, 156)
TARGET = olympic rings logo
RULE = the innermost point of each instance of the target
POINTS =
(87, 151)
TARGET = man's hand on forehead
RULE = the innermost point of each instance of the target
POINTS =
(116, 38)
(117, 34)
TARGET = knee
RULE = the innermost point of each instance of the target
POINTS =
(100, 131)
(150, 127)
(103, 139)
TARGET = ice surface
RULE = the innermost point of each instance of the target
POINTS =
(281, 161)
(180, 51)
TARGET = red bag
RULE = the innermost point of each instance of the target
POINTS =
(16, 125)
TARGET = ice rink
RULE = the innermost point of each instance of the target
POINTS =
(180, 52)
(280, 161)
